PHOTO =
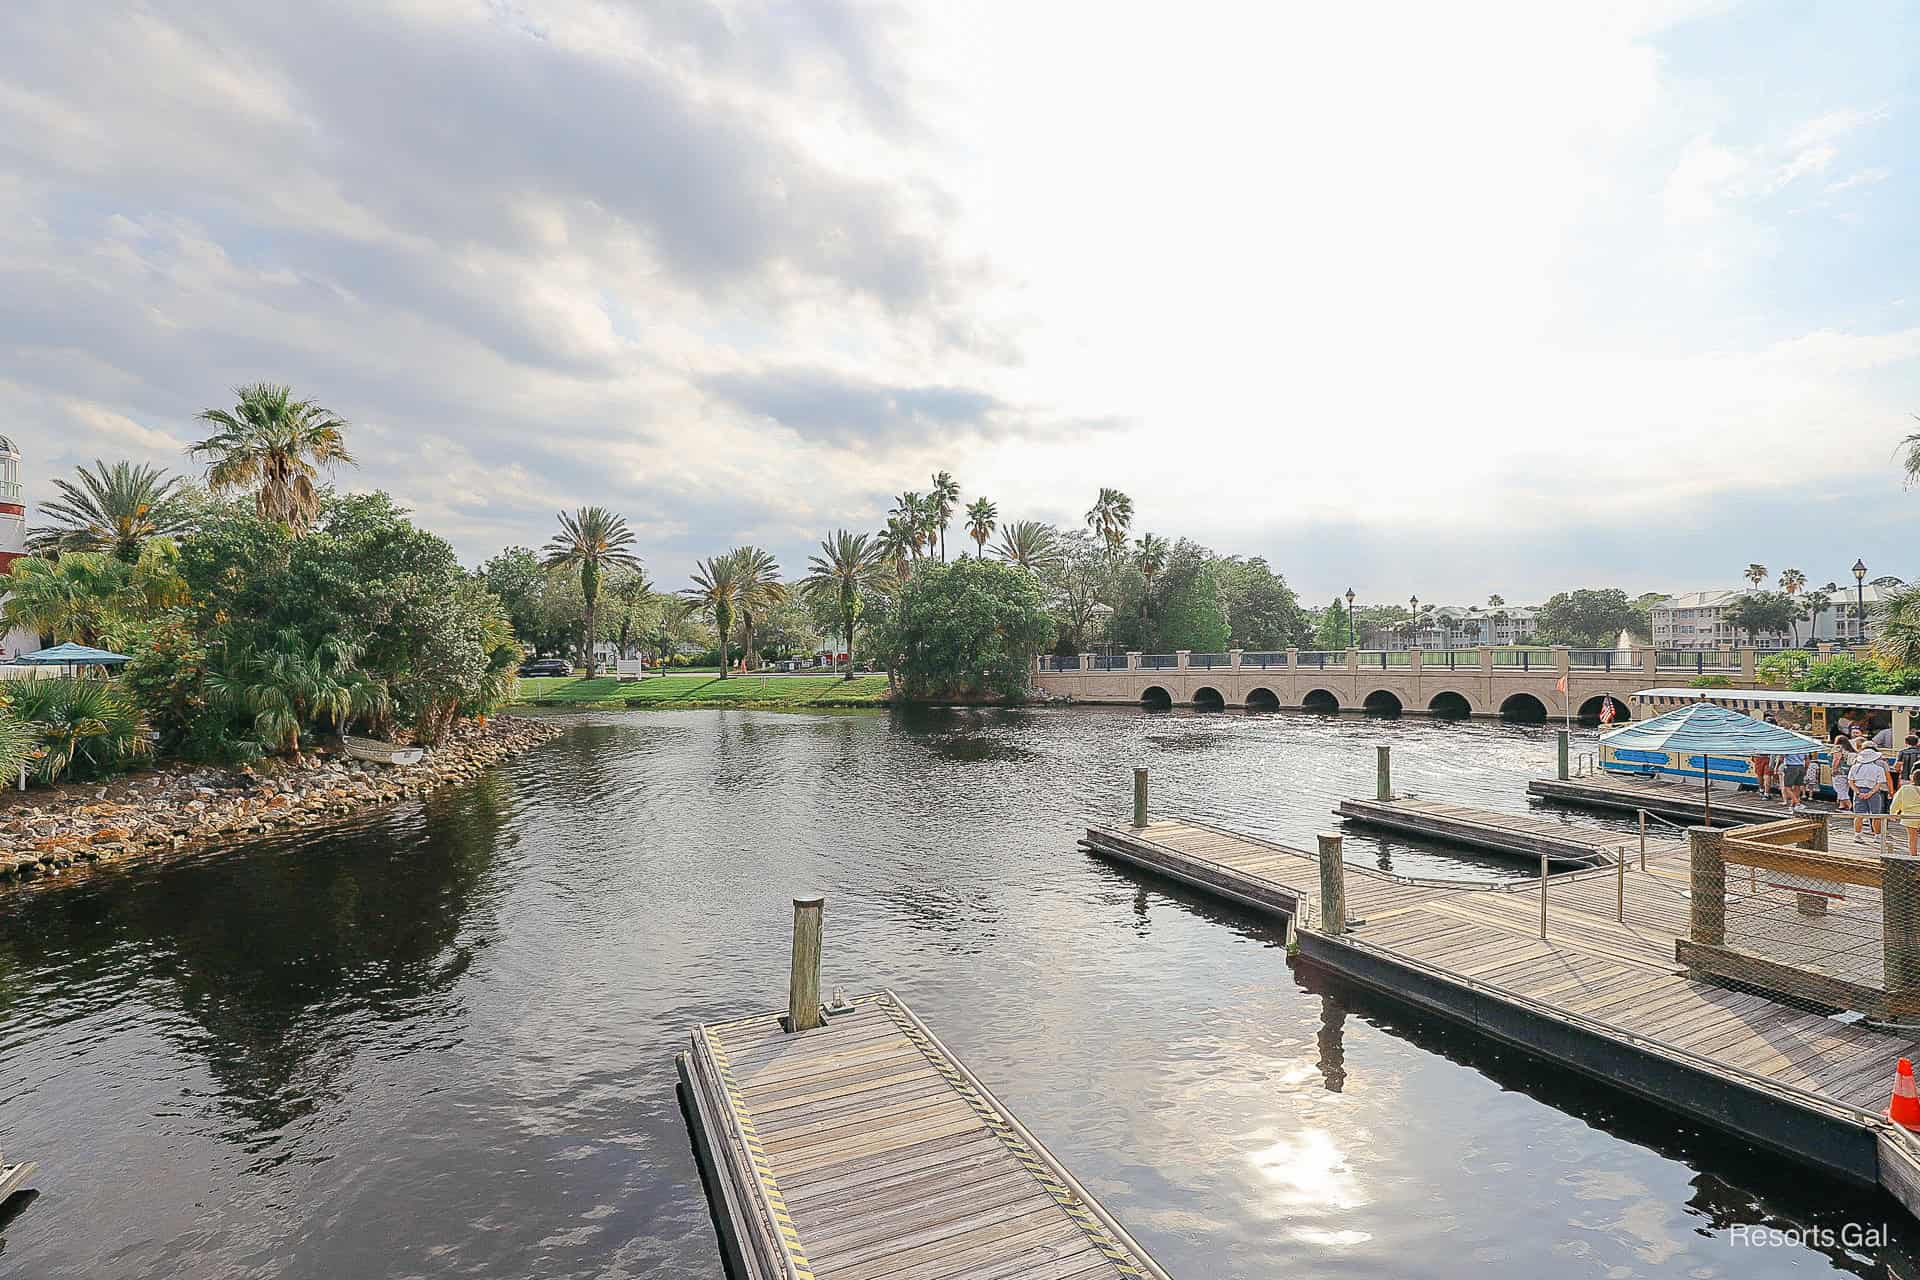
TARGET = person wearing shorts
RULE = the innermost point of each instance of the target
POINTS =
(1868, 779)
(1842, 761)
(1793, 778)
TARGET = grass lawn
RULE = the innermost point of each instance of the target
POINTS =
(792, 692)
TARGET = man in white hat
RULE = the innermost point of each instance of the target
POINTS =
(1868, 778)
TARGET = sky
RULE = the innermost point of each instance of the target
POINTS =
(1405, 298)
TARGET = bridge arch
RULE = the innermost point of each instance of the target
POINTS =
(1262, 700)
(1382, 702)
(1590, 709)
(1525, 708)
(1448, 705)
(1320, 700)
(1208, 698)
(1154, 698)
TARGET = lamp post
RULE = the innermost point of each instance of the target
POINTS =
(1413, 627)
(1860, 600)
(1353, 639)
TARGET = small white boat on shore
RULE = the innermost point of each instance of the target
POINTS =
(377, 752)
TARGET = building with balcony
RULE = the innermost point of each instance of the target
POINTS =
(1697, 619)
(1465, 627)
(13, 536)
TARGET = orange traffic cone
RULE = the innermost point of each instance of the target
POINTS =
(1905, 1108)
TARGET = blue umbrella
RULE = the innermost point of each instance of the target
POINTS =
(1707, 728)
(70, 654)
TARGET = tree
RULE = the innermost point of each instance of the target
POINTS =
(1758, 611)
(85, 594)
(1078, 580)
(633, 607)
(112, 510)
(847, 567)
(1150, 553)
(911, 517)
(965, 631)
(1791, 583)
(942, 499)
(760, 590)
(895, 544)
(293, 683)
(1756, 574)
(1586, 618)
(1192, 613)
(1896, 627)
(521, 583)
(1495, 601)
(1110, 518)
(592, 540)
(1263, 614)
(716, 589)
(83, 728)
(1817, 602)
(981, 516)
(1332, 631)
(1912, 445)
(277, 447)
(1030, 544)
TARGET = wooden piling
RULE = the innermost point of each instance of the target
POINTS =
(1900, 931)
(803, 983)
(1708, 924)
(1333, 885)
(1383, 772)
(1139, 797)
(1563, 736)
(1543, 896)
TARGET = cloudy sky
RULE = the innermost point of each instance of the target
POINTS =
(1444, 298)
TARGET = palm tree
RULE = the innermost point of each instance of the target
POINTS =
(716, 589)
(982, 515)
(760, 590)
(79, 724)
(1110, 517)
(73, 598)
(674, 613)
(942, 500)
(292, 683)
(1912, 445)
(114, 510)
(1032, 545)
(1818, 601)
(846, 566)
(1150, 555)
(895, 544)
(1756, 574)
(1896, 627)
(1495, 600)
(276, 446)
(1791, 582)
(912, 514)
(593, 539)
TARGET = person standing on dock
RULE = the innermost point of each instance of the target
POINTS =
(1793, 777)
(1842, 761)
(1906, 810)
(1868, 778)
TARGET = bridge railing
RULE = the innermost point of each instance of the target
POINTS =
(1697, 660)
(1319, 658)
(1450, 659)
(1263, 660)
(1109, 662)
(1208, 661)
(1603, 659)
(1523, 659)
(1060, 662)
(1158, 661)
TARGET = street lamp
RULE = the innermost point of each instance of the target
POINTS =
(1353, 639)
(1860, 600)
(1413, 626)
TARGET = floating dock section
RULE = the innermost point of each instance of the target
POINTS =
(1577, 986)
(1676, 801)
(862, 1149)
(1517, 835)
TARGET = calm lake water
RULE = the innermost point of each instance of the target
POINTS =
(440, 1042)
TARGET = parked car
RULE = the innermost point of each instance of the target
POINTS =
(546, 667)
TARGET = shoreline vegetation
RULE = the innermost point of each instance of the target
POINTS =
(183, 808)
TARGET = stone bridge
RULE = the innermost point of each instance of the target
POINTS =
(1518, 684)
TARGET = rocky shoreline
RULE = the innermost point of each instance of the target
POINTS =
(185, 807)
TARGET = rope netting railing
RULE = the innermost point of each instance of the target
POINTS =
(1773, 909)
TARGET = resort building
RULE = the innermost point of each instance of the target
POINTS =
(1697, 619)
(1464, 627)
(13, 538)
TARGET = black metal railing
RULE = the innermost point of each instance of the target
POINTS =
(1109, 662)
(1263, 660)
(1158, 661)
(1524, 659)
(1208, 661)
(1323, 657)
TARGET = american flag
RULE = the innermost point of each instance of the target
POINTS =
(1606, 711)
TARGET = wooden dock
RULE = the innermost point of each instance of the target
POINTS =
(1519, 835)
(1679, 801)
(1603, 996)
(863, 1150)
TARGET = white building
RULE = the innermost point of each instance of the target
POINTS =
(1453, 626)
(13, 537)
(1697, 619)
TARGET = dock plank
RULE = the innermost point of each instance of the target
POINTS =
(863, 1150)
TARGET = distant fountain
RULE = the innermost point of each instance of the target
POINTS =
(1625, 643)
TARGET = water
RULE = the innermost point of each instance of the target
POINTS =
(441, 1042)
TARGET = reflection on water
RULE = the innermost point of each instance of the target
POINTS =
(441, 1041)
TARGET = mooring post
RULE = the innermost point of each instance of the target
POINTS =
(1139, 797)
(1383, 772)
(803, 984)
(1543, 897)
(1564, 738)
(1900, 932)
(1620, 885)
(1643, 839)
(1708, 923)
(1333, 886)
